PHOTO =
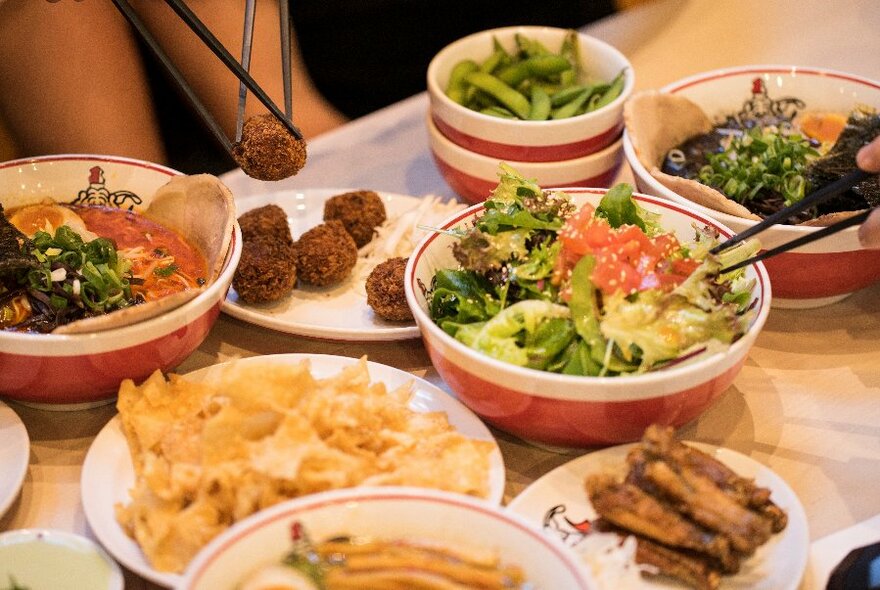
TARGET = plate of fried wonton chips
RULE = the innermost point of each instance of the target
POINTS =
(190, 455)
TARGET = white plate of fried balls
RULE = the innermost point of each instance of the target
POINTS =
(301, 273)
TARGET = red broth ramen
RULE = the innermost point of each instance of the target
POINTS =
(163, 259)
(123, 259)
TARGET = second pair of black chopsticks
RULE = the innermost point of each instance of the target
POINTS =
(819, 196)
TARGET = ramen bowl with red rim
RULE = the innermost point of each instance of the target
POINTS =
(463, 526)
(816, 274)
(529, 141)
(473, 175)
(70, 371)
(578, 411)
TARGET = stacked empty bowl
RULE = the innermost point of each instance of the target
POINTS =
(565, 134)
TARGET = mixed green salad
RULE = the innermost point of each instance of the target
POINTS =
(587, 290)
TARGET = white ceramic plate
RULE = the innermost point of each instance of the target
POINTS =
(15, 450)
(108, 473)
(336, 313)
(777, 565)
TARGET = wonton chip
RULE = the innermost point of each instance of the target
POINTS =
(249, 436)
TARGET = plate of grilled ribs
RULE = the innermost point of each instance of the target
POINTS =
(662, 513)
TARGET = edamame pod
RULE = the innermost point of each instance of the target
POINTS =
(496, 111)
(542, 66)
(456, 89)
(566, 95)
(571, 50)
(613, 91)
(570, 108)
(540, 104)
(529, 47)
(503, 93)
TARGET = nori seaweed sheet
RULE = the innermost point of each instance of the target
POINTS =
(861, 128)
(15, 248)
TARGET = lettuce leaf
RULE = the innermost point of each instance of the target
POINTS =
(529, 333)
(619, 208)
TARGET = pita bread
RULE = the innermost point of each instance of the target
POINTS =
(657, 122)
(831, 218)
(701, 194)
(201, 209)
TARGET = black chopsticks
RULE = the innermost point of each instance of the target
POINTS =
(214, 44)
(819, 196)
(284, 14)
(856, 219)
(221, 52)
(246, 44)
(138, 25)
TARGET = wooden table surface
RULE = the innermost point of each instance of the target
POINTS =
(807, 402)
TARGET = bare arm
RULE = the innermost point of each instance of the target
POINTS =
(71, 80)
(216, 86)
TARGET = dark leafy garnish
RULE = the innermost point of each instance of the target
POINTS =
(15, 248)
(862, 126)
(63, 278)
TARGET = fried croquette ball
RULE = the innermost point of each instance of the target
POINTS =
(268, 150)
(325, 254)
(268, 222)
(359, 211)
(385, 290)
(266, 271)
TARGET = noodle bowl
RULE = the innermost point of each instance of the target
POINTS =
(86, 364)
(401, 516)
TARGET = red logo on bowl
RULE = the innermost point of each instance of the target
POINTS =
(97, 193)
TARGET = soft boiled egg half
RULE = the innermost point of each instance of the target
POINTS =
(48, 217)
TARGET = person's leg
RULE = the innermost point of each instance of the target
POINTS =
(216, 86)
(71, 80)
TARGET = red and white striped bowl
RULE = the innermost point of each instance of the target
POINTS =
(577, 411)
(816, 274)
(473, 175)
(438, 518)
(77, 370)
(528, 141)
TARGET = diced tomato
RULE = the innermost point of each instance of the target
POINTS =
(627, 259)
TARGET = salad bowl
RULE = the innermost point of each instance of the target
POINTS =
(578, 410)
(813, 275)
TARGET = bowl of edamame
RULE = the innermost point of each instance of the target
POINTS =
(473, 175)
(530, 94)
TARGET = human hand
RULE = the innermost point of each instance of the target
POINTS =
(868, 159)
